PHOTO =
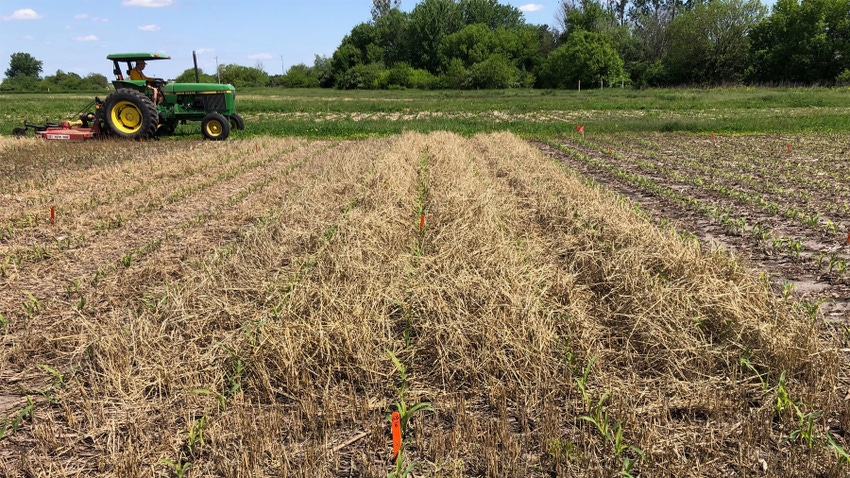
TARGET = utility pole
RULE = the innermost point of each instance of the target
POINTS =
(217, 73)
(282, 69)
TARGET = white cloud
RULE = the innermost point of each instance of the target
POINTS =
(146, 3)
(27, 38)
(531, 7)
(22, 14)
(99, 19)
(260, 56)
(199, 51)
(87, 38)
(149, 28)
(81, 16)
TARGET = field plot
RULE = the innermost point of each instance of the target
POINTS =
(259, 307)
(781, 201)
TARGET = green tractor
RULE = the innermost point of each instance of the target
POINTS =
(147, 107)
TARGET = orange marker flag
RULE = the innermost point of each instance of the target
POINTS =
(52, 216)
(396, 425)
(422, 223)
(848, 238)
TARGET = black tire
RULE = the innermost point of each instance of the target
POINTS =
(166, 129)
(19, 132)
(236, 122)
(215, 127)
(130, 114)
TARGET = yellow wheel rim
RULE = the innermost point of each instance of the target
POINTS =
(126, 117)
(214, 128)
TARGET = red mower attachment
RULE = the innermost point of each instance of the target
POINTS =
(66, 132)
(86, 127)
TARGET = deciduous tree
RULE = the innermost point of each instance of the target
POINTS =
(24, 64)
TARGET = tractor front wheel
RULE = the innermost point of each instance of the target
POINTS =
(130, 114)
(236, 122)
(215, 127)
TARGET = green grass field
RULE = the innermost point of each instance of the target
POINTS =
(320, 113)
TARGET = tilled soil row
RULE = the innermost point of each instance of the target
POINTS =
(811, 283)
(801, 180)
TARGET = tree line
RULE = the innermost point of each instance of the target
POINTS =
(480, 44)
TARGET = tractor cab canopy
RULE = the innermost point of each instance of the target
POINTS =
(132, 57)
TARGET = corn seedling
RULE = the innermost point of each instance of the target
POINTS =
(100, 273)
(234, 374)
(4, 267)
(582, 381)
(4, 324)
(811, 308)
(126, 260)
(253, 330)
(405, 413)
(11, 426)
(180, 467)
(562, 450)
(840, 453)
(787, 288)
(745, 361)
(795, 246)
(58, 377)
(806, 422)
(31, 305)
(222, 400)
(81, 304)
(599, 417)
(153, 303)
(195, 438)
(783, 401)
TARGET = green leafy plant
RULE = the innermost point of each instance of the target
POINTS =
(745, 361)
(12, 425)
(406, 412)
(806, 422)
(613, 433)
(180, 467)
(58, 377)
(840, 453)
(582, 381)
(222, 400)
(783, 400)
(195, 439)
(31, 306)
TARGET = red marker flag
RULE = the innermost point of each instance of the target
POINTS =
(580, 128)
(396, 426)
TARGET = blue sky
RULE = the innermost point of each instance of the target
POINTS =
(76, 35)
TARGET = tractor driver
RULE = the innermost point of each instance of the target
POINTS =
(136, 74)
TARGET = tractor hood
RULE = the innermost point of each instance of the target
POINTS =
(184, 88)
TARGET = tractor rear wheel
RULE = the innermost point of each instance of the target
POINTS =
(215, 126)
(130, 114)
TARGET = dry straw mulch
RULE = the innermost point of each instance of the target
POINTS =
(528, 301)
